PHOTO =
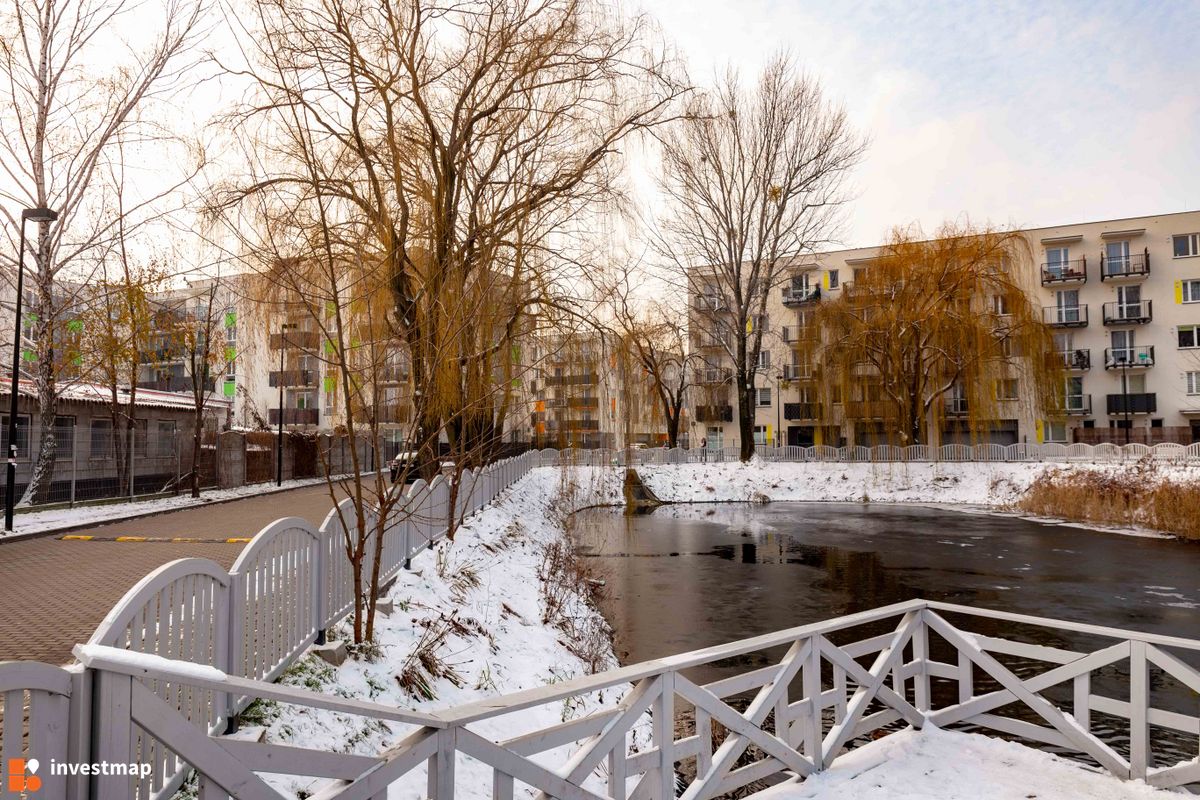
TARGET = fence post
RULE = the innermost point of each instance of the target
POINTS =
(79, 729)
(1139, 702)
(664, 737)
(112, 740)
(74, 463)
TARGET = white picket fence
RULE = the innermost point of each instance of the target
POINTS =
(1167, 452)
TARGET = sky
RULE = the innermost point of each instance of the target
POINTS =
(1024, 114)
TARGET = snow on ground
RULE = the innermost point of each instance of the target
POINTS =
(933, 764)
(53, 519)
(487, 591)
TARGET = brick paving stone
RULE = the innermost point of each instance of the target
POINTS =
(54, 593)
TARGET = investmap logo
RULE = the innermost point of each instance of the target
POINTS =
(22, 776)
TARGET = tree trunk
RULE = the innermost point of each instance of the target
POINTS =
(197, 443)
(745, 418)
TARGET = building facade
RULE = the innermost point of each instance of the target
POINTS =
(1121, 296)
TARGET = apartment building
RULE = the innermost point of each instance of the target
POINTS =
(1122, 297)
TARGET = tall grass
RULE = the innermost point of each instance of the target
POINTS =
(1138, 494)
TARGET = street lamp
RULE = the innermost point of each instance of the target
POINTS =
(42, 215)
(778, 411)
(287, 326)
(1123, 360)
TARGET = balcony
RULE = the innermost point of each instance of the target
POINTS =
(1128, 357)
(793, 334)
(709, 303)
(957, 407)
(294, 416)
(713, 375)
(714, 413)
(866, 409)
(1144, 403)
(797, 372)
(1079, 405)
(793, 296)
(711, 342)
(293, 377)
(571, 380)
(175, 383)
(1065, 316)
(582, 425)
(1127, 313)
(307, 340)
(394, 414)
(1134, 266)
(394, 374)
(1064, 272)
(798, 411)
(1075, 359)
(583, 402)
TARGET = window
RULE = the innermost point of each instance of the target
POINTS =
(1193, 382)
(1000, 305)
(1191, 291)
(764, 359)
(22, 435)
(800, 284)
(764, 397)
(833, 279)
(1122, 347)
(1129, 302)
(64, 437)
(1054, 431)
(1116, 258)
(164, 438)
(101, 444)
(1067, 301)
(1186, 245)
(760, 435)
(1189, 336)
(1007, 389)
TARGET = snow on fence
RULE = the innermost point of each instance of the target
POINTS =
(847, 680)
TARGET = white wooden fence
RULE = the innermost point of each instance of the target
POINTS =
(838, 683)
(1167, 452)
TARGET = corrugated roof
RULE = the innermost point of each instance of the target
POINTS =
(96, 393)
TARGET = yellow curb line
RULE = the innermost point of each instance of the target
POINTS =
(155, 539)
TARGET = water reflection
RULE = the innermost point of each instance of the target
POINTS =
(687, 577)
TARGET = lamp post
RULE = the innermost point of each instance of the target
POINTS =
(44, 215)
(287, 326)
(778, 411)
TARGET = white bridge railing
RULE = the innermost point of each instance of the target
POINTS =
(838, 683)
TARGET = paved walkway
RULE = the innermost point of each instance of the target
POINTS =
(54, 593)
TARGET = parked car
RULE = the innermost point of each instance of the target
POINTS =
(400, 463)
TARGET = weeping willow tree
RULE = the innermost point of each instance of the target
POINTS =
(937, 331)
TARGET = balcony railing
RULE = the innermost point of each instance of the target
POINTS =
(866, 409)
(583, 402)
(1128, 313)
(293, 377)
(797, 372)
(713, 375)
(1132, 266)
(571, 380)
(1141, 403)
(394, 374)
(294, 416)
(394, 414)
(1065, 316)
(793, 296)
(957, 407)
(1064, 272)
(1080, 359)
(714, 413)
(307, 340)
(582, 424)
(798, 333)
(1117, 357)
(795, 411)
(711, 342)
(1078, 404)
(709, 302)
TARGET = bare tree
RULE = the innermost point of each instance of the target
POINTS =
(469, 137)
(753, 180)
(63, 121)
